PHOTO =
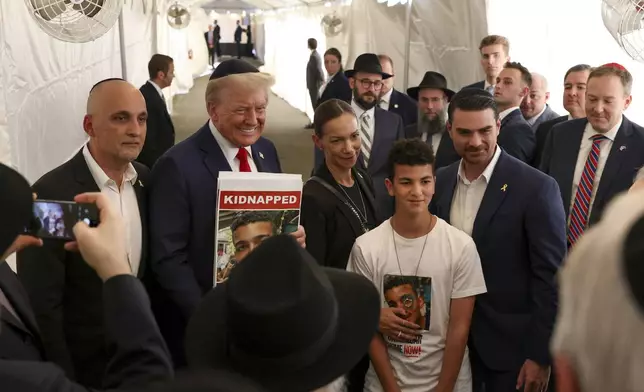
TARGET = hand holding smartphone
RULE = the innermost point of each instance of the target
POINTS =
(54, 219)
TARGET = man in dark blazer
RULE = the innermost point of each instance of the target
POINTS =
(495, 52)
(515, 216)
(516, 137)
(211, 42)
(160, 130)
(595, 158)
(237, 36)
(217, 30)
(66, 294)
(574, 101)
(379, 128)
(183, 191)
(314, 75)
(138, 353)
(433, 96)
(534, 106)
(392, 99)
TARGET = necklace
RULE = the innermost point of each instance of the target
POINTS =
(393, 237)
(362, 215)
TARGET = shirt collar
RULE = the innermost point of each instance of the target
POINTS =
(360, 111)
(229, 149)
(156, 86)
(535, 118)
(570, 117)
(487, 173)
(589, 131)
(505, 113)
(387, 97)
(98, 173)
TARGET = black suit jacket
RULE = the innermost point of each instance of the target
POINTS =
(160, 130)
(516, 137)
(19, 339)
(338, 88)
(520, 235)
(446, 154)
(314, 72)
(542, 135)
(66, 294)
(625, 159)
(404, 106)
(331, 226)
(238, 33)
(138, 353)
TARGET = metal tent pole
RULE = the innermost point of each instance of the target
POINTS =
(155, 27)
(122, 46)
(407, 44)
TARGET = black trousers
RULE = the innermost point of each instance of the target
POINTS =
(315, 98)
(485, 379)
(239, 49)
(217, 48)
(211, 55)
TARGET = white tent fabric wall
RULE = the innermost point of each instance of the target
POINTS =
(550, 47)
(286, 52)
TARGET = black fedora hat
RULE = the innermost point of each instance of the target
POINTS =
(431, 80)
(284, 321)
(367, 63)
(231, 67)
(16, 203)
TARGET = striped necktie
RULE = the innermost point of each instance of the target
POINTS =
(581, 206)
(365, 138)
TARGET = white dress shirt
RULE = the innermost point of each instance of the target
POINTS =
(505, 113)
(159, 90)
(469, 194)
(385, 100)
(436, 140)
(124, 199)
(372, 123)
(584, 149)
(230, 150)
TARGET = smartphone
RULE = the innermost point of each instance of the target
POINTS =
(55, 219)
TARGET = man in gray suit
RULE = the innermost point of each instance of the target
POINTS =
(534, 106)
(314, 75)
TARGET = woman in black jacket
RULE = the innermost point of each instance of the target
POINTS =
(338, 201)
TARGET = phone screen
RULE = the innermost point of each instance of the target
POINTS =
(55, 219)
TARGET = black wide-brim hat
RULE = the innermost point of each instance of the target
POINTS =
(208, 342)
(367, 63)
(433, 80)
(16, 203)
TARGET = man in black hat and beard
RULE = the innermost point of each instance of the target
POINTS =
(379, 128)
(433, 96)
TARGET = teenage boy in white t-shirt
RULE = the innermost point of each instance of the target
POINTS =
(428, 274)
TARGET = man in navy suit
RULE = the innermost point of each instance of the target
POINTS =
(495, 52)
(392, 99)
(516, 218)
(516, 136)
(183, 190)
(595, 158)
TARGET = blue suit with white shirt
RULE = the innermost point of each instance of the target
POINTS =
(519, 229)
(566, 150)
(183, 207)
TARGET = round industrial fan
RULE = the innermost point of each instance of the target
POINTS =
(332, 25)
(75, 20)
(624, 20)
(178, 16)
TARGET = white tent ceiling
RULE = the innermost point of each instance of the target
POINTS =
(250, 4)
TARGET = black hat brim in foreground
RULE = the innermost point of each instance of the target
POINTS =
(16, 205)
(359, 311)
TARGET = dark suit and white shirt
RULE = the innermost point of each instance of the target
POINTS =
(400, 104)
(515, 136)
(160, 129)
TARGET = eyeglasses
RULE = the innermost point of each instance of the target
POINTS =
(366, 84)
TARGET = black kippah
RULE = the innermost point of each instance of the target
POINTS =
(231, 67)
(105, 81)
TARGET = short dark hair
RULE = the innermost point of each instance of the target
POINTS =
(335, 52)
(472, 100)
(526, 76)
(393, 281)
(247, 217)
(159, 63)
(578, 68)
(313, 43)
(330, 110)
(409, 152)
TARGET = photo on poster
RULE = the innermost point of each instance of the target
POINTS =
(412, 294)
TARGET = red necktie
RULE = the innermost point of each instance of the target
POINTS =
(242, 155)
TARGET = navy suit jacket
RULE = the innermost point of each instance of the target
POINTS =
(520, 234)
(625, 159)
(389, 128)
(542, 135)
(183, 206)
(517, 137)
(404, 106)
(338, 88)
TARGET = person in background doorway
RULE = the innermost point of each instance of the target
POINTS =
(314, 75)
(238, 36)
(211, 37)
(160, 129)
